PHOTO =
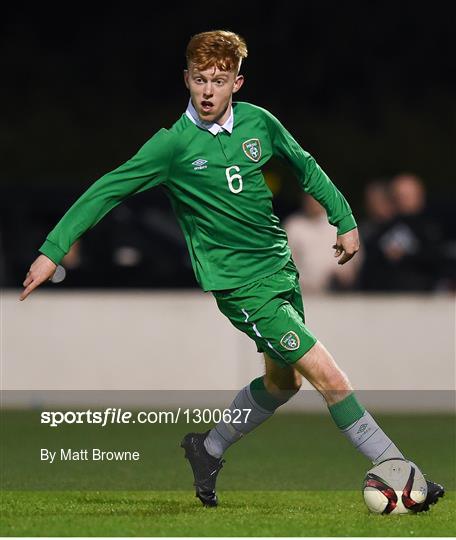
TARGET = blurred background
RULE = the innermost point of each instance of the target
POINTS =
(369, 90)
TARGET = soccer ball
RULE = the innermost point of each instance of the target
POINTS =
(395, 486)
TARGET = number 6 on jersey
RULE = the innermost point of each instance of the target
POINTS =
(236, 176)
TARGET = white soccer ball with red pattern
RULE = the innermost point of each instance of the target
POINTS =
(395, 486)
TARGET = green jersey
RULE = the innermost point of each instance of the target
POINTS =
(218, 193)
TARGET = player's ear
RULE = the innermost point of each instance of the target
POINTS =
(238, 83)
(186, 78)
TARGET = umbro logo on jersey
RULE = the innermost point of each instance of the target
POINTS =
(199, 164)
(252, 149)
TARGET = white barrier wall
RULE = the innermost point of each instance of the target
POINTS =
(180, 341)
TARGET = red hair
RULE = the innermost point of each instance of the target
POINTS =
(220, 48)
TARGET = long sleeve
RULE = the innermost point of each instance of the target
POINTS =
(312, 178)
(147, 169)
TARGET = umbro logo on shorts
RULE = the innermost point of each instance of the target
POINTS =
(199, 164)
(290, 341)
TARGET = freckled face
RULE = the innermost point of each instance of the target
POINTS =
(211, 91)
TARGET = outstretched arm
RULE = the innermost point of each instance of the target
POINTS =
(148, 168)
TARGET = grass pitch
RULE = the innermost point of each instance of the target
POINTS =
(295, 476)
(246, 513)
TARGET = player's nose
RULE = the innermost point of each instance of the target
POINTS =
(207, 91)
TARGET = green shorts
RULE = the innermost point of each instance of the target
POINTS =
(271, 312)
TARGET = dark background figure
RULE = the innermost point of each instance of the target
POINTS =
(379, 207)
(402, 240)
(379, 211)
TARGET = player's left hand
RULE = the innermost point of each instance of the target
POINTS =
(346, 246)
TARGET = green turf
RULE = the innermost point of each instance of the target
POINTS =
(247, 513)
(295, 476)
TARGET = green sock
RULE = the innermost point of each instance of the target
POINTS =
(264, 398)
(347, 411)
(256, 404)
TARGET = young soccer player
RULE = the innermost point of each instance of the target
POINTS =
(210, 164)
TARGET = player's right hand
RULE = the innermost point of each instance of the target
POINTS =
(41, 270)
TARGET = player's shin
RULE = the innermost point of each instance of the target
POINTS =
(362, 430)
(252, 406)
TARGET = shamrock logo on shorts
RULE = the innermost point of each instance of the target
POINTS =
(290, 341)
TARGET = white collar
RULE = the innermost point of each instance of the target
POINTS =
(213, 127)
